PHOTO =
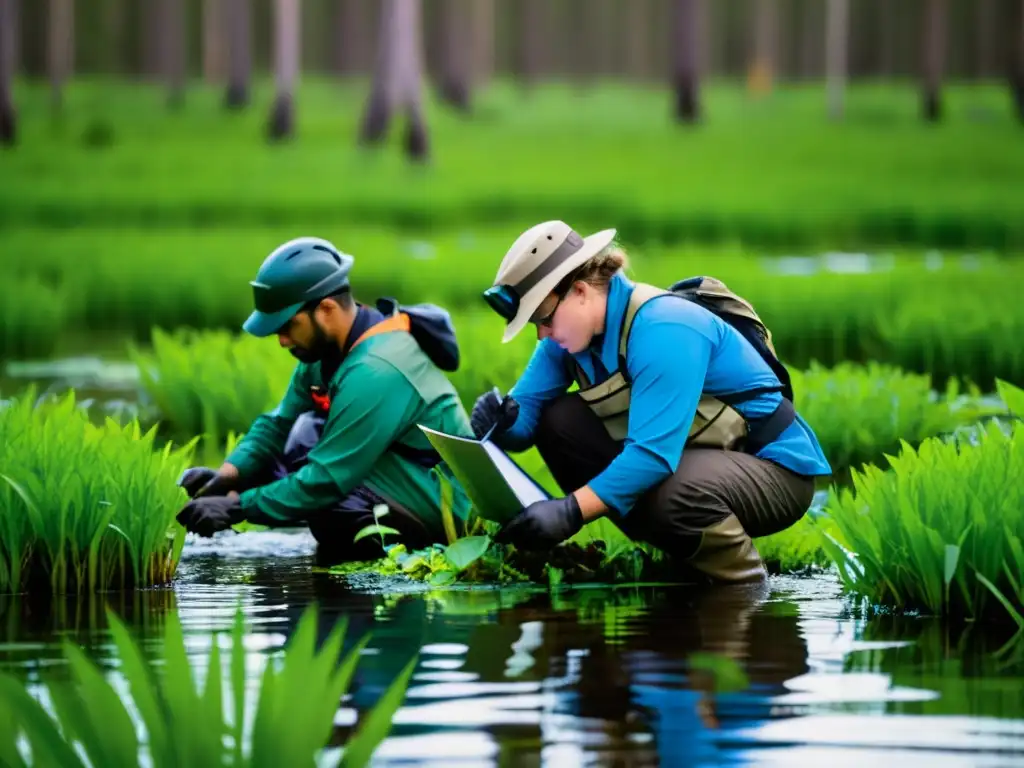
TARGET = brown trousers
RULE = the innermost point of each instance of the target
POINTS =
(704, 515)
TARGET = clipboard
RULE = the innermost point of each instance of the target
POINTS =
(497, 486)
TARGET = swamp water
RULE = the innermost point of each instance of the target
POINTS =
(584, 676)
(789, 673)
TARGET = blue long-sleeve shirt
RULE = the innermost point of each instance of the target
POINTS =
(677, 351)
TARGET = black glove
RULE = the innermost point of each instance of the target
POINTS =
(492, 410)
(543, 524)
(210, 514)
(203, 481)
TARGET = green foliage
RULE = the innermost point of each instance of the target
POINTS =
(872, 178)
(860, 412)
(211, 383)
(84, 506)
(941, 531)
(32, 317)
(900, 311)
(799, 547)
(186, 724)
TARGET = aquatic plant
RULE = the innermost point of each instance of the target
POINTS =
(289, 721)
(861, 412)
(85, 507)
(211, 383)
(799, 547)
(33, 315)
(941, 530)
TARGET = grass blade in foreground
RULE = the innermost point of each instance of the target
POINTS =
(185, 725)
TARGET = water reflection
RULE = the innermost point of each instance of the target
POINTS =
(594, 675)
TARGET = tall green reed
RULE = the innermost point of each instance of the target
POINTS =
(861, 412)
(210, 383)
(289, 722)
(941, 530)
(85, 507)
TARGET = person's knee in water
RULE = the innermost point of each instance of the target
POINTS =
(344, 439)
(683, 429)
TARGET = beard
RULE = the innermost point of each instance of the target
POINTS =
(318, 348)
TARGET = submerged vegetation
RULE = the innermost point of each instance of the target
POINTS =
(289, 721)
(85, 507)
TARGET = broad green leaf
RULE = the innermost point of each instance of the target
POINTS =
(370, 530)
(443, 578)
(464, 552)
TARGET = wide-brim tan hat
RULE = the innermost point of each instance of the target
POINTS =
(537, 261)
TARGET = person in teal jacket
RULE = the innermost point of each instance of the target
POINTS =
(345, 437)
(680, 431)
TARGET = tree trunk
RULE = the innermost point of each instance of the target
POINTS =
(985, 39)
(287, 45)
(397, 78)
(455, 76)
(352, 26)
(214, 34)
(685, 59)
(532, 17)
(173, 50)
(766, 31)
(60, 47)
(238, 18)
(836, 44)
(1017, 63)
(638, 39)
(8, 116)
(934, 58)
(482, 37)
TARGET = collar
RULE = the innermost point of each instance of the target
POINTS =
(366, 318)
(606, 346)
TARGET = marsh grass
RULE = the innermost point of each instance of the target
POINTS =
(941, 529)
(33, 314)
(212, 382)
(85, 507)
(945, 315)
(861, 412)
(289, 721)
(871, 178)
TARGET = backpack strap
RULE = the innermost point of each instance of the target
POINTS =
(424, 457)
(642, 293)
(396, 322)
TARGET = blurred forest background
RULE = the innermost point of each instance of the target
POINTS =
(157, 150)
(461, 45)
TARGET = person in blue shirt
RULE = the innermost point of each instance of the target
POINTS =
(678, 431)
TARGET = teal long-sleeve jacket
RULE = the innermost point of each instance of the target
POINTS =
(382, 390)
